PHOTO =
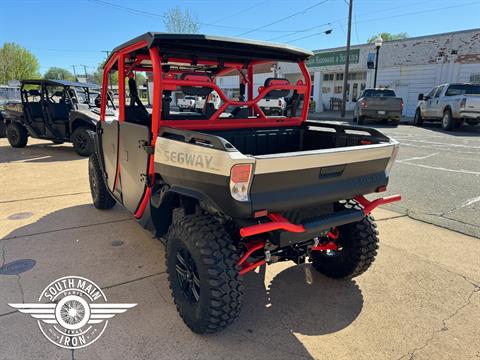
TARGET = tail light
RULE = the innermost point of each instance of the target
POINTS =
(401, 104)
(463, 104)
(392, 158)
(240, 176)
(363, 104)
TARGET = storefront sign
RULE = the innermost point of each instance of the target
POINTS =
(334, 58)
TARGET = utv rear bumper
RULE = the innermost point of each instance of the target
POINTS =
(295, 233)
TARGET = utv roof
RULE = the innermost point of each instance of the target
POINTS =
(60, 83)
(208, 46)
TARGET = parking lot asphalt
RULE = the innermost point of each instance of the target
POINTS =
(420, 300)
(438, 174)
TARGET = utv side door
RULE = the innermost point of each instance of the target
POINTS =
(133, 162)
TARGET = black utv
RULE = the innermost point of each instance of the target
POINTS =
(56, 110)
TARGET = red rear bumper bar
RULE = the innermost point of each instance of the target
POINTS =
(278, 222)
(369, 206)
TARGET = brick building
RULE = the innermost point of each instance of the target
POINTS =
(410, 66)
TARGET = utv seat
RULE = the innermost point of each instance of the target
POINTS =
(276, 94)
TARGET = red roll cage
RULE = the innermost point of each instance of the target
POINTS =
(169, 83)
(138, 60)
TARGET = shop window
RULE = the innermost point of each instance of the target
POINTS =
(475, 78)
(338, 89)
(325, 90)
(339, 77)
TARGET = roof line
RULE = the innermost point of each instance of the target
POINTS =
(400, 40)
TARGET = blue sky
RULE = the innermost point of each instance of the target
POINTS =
(64, 33)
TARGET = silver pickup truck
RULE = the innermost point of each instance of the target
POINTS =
(452, 104)
(378, 104)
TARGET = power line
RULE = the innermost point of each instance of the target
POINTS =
(157, 15)
(284, 18)
(391, 17)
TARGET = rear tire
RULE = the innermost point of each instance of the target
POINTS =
(17, 135)
(83, 140)
(201, 262)
(100, 196)
(448, 122)
(418, 120)
(359, 244)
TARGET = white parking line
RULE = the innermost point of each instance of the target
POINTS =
(460, 171)
(417, 158)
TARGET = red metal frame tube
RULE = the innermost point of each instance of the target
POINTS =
(369, 206)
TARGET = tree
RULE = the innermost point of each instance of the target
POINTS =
(97, 76)
(140, 79)
(17, 63)
(178, 21)
(56, 73)
(386, 36)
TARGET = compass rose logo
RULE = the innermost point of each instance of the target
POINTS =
(72, 312)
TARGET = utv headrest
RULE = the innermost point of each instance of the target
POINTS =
(276, 94)
(196, 90)
(33, 92)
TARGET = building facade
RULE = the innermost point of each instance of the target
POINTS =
(410, 66)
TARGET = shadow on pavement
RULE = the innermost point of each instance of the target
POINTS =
(297, 301)
(464, 131)
(38, 153)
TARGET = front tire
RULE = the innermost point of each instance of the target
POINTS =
(448, 122)
(83, 140)
(358, 244)
(17, 135)
(201, 262)
(100, 196)
(418, 120)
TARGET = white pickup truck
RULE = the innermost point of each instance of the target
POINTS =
(186, 103)
(452, 104)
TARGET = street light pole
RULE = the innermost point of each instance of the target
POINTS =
(378, 45)
(347, 59)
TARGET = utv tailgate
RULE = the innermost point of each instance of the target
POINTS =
(301, 179)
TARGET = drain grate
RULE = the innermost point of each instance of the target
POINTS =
(17, 267)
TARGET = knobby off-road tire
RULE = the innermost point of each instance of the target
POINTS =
(100, 196)
(418, 120)
(3, 128)
(83, 140)
(17, 135)
(359, 244)
(208, 292)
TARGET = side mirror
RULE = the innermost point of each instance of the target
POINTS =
(420, 97)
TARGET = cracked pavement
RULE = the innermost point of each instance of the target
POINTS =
(420, 300)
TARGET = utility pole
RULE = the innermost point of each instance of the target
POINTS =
(347, 59)
(74, 72)
(85, 71)
(109, 74)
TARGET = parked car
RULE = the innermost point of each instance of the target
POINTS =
(56, 110)
(200, 103)
(7, 94)
(273, 107)
(378, 104)
(186, 103)
(452, 104)
(231, 189)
